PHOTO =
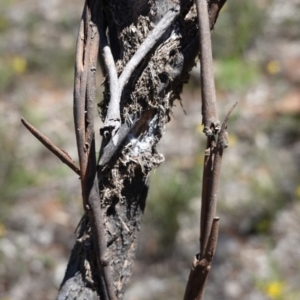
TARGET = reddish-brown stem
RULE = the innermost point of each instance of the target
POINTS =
(201, 266)
(206, 187)
(213, 155)
(62, 155)
(211, 175)
(80, 93)
(91, 85)
(214, 10)
(209, 108)
(79, 99)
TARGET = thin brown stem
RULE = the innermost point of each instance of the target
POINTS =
(62, 155)
(206, 187)
(213, 239)
(214, 10)
(209, 108)
(201, 266)
(91, 84)
(211, 176)
(213, 156)
(224, 124)
(79, 96)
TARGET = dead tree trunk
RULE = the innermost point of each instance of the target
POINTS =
(146, 49)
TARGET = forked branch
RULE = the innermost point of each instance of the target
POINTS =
(201, 267)
(212, 161)
(211, 176)
(116, 86)
(209, 222)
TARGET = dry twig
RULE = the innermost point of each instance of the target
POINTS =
(62, 155)
(209, 222)
(113, 118)
(209, 108)
(201, 266)
(162, 26)
(80, 92)
(211, 174)
(212, 161)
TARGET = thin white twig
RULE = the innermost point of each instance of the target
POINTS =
(148, 44)
(113, 118)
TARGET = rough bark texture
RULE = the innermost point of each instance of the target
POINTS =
(146, 106)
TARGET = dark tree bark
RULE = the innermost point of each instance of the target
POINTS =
(144, 96)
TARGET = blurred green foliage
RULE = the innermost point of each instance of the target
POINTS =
(242, 22)
(234, 74)
(46, 56)
(276, 287)
(13, 174)
(169, 196)
(285, 130)
(3, 23)
(11, 68)
(42, 52)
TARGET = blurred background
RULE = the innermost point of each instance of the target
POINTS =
(257, 63)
